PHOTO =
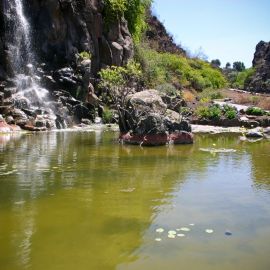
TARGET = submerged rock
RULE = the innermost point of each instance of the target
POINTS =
(254, 134)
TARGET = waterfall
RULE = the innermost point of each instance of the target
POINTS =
(23, 61)
(19, 37)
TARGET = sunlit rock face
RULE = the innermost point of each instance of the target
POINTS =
(148, 121)
(260, 82)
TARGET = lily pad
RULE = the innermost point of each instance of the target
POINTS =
(171, 235)
(158, 239)
(209, 231)
(171, 232)
(185, 229)
(160, 230)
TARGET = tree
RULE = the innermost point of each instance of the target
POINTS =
(228, 65)
(239, 66)
(120, 82)
(215, 63)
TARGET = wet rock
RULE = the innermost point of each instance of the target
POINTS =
(80, 112)
(1, 98)
(5, 110)
(250, 124)
(40, 123)
(6, 128)
(254, 134)
(181, 137)
(144, 140)
(32, 128)
(267, 131)
(10, 120)
(86, 122)
(18, 114)
(49, 82)
(8, 92)
(21, 102)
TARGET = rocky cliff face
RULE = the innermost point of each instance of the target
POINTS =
(260, 81)
(61, 34)
(158, 37)
(62, 29)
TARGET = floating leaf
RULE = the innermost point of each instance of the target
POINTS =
(171, 232)
(184, 229)
(171, 235)
(158, 239)
(209, 231)
(160, 230)
(181, 235)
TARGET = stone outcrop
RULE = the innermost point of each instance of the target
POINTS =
(148, 121)
(260, 81)
(67, 27)
(158, 37)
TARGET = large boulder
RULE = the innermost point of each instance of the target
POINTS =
(260, 81)
(148, 121)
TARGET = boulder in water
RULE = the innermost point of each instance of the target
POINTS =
(148, 121)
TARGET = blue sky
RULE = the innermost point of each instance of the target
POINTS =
(225, 29)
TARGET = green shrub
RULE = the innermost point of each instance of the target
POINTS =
(168, 89)
(133, 10)
(107, 115)
(160, 68)
(85, 55)
(255, 111)
(238, 79)
(229, 112)
(210, 94)
(211, 112)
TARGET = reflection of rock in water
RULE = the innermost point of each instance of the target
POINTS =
(260, 164)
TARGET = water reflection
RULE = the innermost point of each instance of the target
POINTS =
(86, 202)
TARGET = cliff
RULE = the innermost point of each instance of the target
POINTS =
(49, 52)
(260, 81)
(158, 37)
(63, 29)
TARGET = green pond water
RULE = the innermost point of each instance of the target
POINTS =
(79, 200)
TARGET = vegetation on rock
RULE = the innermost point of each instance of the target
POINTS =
(159, 68)
(134, 12)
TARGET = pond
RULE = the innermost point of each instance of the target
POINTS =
(79, 200)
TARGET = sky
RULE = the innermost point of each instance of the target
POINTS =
(228, 30)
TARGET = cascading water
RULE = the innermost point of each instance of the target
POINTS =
(22, 60)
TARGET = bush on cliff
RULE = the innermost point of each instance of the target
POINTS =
(134, 12)
(160, 68)
(242, 77)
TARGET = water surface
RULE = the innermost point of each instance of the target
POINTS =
(79, 200)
